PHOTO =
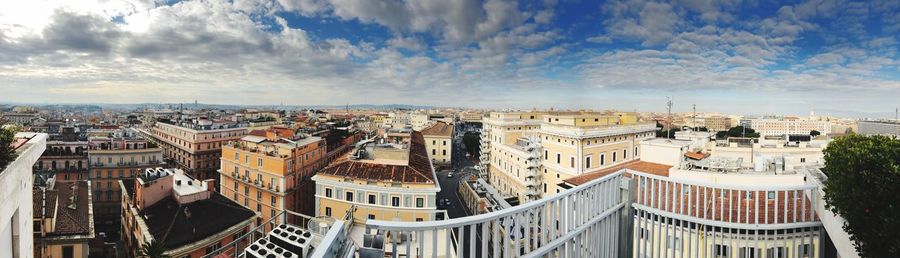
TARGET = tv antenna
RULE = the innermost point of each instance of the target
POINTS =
(669, 117)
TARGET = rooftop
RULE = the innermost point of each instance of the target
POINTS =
(176, 225)
(70, 201)
(438, 129)
(636, 165)
(417, 169)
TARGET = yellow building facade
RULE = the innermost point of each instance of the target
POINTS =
(439, 142)
(266, 171)
(529, 154)
(381, 181)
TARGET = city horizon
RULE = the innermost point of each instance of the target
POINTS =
(757, 57)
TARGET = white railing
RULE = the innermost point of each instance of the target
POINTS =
(683, 218)
(583, 222)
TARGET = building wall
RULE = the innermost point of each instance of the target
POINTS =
(767, 127)
(440, 148)
(79, 250)
(109, 166)
(562, 157)
(879, 128)
(257, 192)
(16, 224)
(195, 151)
(331, 194)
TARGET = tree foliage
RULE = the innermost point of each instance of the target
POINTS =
(7, 153)
(737, 131)
(153, 249)
(814, 133)
(862, 187)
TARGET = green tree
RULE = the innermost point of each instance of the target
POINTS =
(153, 249)
(814, 133)
(472, 142)
(7, 153)
(737, 131)
(863, 182)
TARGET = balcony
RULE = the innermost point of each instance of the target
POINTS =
(617, 216)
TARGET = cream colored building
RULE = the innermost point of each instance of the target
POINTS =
(439, 142)
(789, 125)
(528, 154)
(419, 121)
(382, 181)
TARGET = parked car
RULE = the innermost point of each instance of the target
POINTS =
(450, 175)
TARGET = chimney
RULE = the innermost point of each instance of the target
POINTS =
(210, 185)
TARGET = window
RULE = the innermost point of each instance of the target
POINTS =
(213, 248)
(328, 211)
(236, 156)
(748, 252)
(395, 201)
(68, 251)
(722, 251)
(371, 199)
(572, 162)
(625, 153)
(558, 158)
(433, 152)
(645, 233)
(273, 200)
(445, 143)
(349, 196)
(259, 162)
(802, 160)
(546, 155)
(445, 152)
(587, 162)
(770, 195)
(371, 216)
(602, 159)
(776, 252)
(420, 202)
(674, 242)
(614, 156)
(328, 192)
(804, 251)
(635, 152)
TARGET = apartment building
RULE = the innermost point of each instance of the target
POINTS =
(66, 160)
(195, 148)
(380, 181)
(527, 154)
(113, 156)
(63, 219)
(789, 125)
(439, 142)
(183, 214)
(717, 123)
(886, 128)
(268, 170)
(16, 223)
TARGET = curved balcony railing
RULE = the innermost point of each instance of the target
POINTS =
(683, 218)
(578, 222)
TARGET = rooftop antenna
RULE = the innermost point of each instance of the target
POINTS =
(669, 117)
(694, 119)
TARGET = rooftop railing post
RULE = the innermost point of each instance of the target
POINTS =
(626, 228)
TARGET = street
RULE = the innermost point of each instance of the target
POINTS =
(462, 168)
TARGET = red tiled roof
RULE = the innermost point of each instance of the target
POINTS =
(438, 129)
(418, 170)
(72, 218)
(637, 165)
(696, 155)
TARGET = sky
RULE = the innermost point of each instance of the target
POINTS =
(730, 56)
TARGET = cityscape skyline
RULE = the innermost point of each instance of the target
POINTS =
(762, 57)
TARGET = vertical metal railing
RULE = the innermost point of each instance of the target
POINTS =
(682, 218)
(580, 222)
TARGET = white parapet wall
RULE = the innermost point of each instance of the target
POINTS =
(15, 198)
